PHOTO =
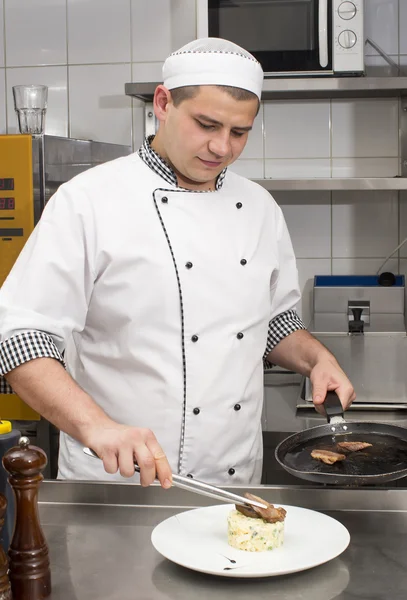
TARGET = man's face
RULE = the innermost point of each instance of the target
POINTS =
(205, 134)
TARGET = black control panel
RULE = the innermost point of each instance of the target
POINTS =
(6, 183)
(7, 204)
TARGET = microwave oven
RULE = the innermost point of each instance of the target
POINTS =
(289, 38)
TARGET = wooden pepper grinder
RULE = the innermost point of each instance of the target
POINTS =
(5, 588)
(29, 568)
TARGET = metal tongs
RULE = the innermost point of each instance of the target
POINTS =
(199, 487)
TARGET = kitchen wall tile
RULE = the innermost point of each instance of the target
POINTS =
(308, 218)
(99, 31)
(364, 224)
(36, 32)
(183, 22)
(288, 168)
(99, 109)
(255, 143)
(151, 29)
(161, 26)
(3, 118)
(362, 266)
(365, 167)
(2, 40)
(56, 121)
(297, 129)
(403, 26)
(365, 127)
(381, 25)
(251, 168)
(307, 269)
(146, 72)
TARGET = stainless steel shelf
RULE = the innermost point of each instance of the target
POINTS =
(322, 87)
(334, 183)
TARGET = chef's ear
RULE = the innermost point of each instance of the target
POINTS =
(162, 99)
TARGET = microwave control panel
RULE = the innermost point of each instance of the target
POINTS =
(348, 36)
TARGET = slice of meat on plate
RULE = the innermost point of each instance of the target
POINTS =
(327, 457)
(271, 514)
(353, 446)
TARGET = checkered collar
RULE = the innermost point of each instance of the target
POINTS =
(159, 166)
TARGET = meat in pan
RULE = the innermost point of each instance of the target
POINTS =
(353, 446)
(327, 457)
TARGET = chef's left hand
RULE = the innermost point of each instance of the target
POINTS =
(328, 376)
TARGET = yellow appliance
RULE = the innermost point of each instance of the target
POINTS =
(16, 198)
(16, 224)
(31, 170)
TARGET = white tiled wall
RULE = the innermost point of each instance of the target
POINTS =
(86, 50)
(1, 35)
(98, 34)
(35, 32)
(98, 107)
(3, 124)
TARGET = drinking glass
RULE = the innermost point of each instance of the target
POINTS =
(30, 103)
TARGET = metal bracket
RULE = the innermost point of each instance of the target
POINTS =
(399, 70)
(150, 126)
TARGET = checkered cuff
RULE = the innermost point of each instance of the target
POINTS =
(5, 388)
(23, 347)
(281, 326)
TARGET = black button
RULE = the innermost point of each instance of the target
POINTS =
(196, 411)
(190, 475)
(164, 199)
(239, 205)
(243, 262)
(237, 407)
(189, 265)
(231, 471)
(240, 335)
(194, 338)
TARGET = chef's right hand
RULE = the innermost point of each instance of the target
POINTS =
(119, 446)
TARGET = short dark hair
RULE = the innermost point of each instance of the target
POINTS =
(190, 91)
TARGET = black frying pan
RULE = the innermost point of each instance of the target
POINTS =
(385, 460)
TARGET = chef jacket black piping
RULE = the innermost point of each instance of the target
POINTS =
(26, 346)
(184, 362)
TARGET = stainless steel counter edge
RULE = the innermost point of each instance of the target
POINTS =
(316, 498)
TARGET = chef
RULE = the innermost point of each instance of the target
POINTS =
(140, 311)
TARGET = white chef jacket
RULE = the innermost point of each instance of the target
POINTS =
(161, 299)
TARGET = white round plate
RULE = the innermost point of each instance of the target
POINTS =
(197, 539)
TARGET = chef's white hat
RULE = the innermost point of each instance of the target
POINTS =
(213, 61)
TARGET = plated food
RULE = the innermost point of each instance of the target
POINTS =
(256, 529)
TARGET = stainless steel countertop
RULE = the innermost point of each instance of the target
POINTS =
(99, 541)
